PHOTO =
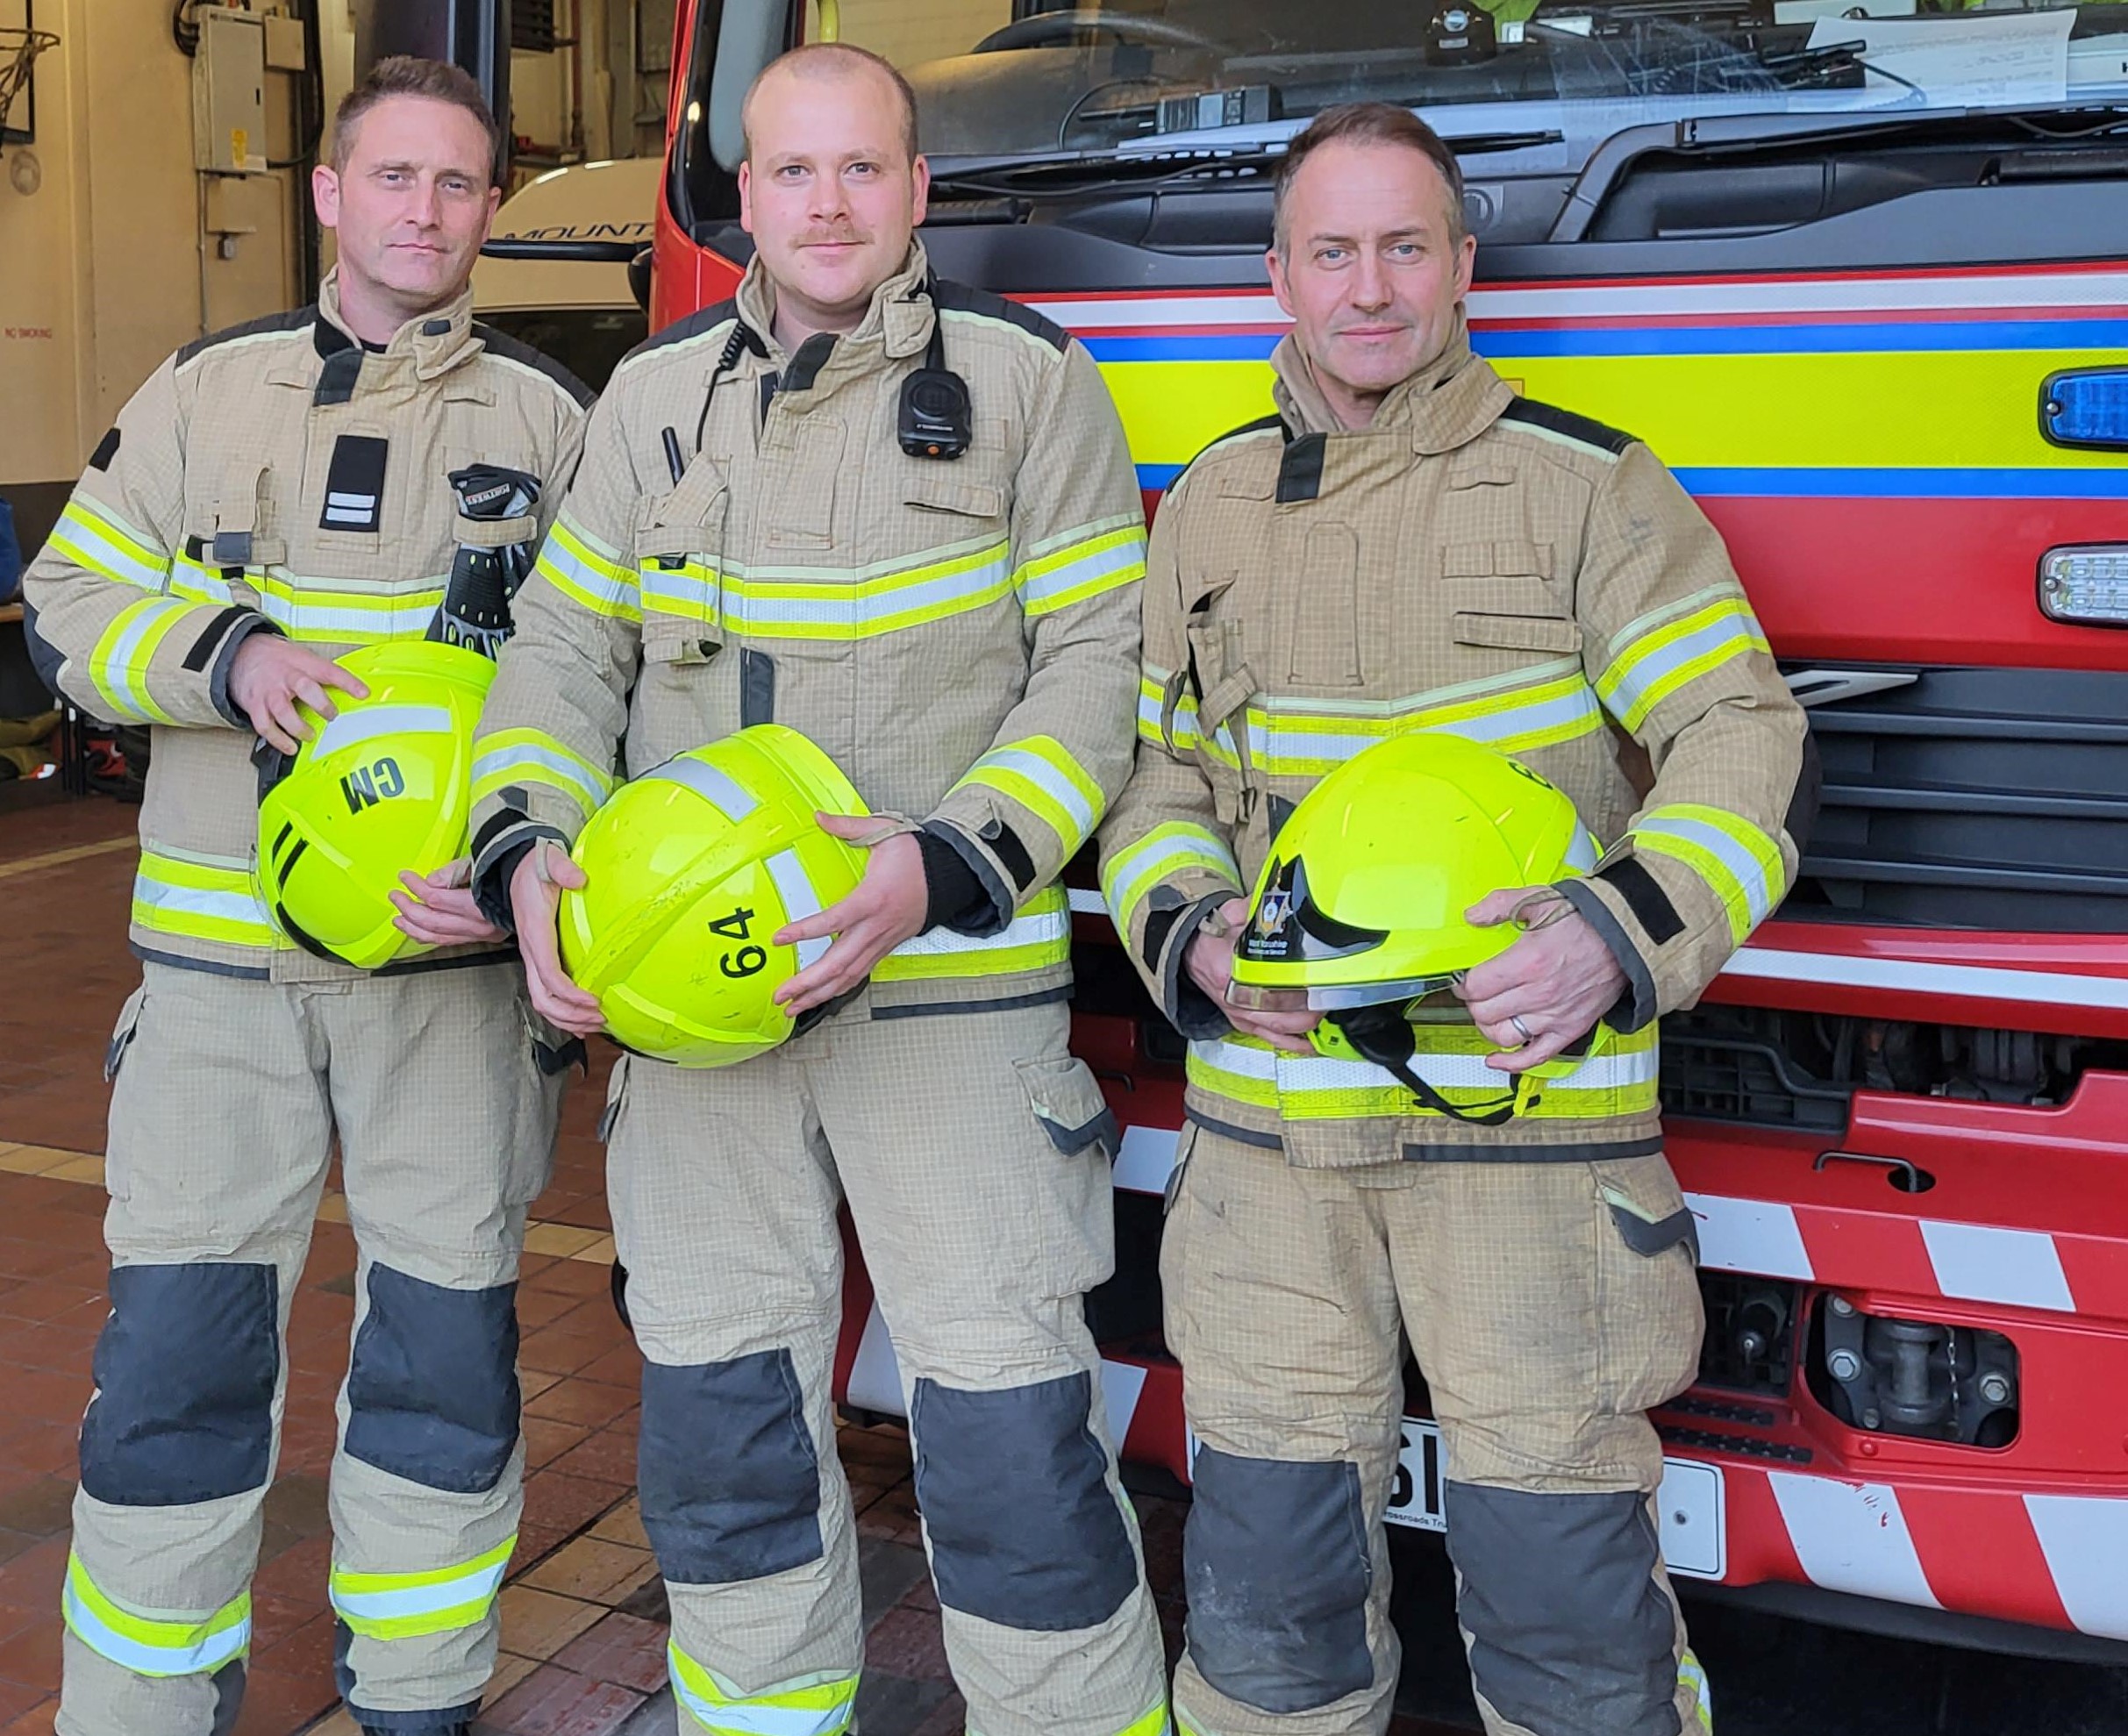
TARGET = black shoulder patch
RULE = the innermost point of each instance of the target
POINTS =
(1262, 425)
(680, 330)
(1300, 470)
(1564, 423)
(293, 320)
(513, 349)
(107, 450)
(962, 299)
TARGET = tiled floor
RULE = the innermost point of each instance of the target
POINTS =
(583, 1611)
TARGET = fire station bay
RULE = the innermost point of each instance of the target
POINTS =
(1174, 867)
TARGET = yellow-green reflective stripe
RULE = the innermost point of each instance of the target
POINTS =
(203, 903)
(95, 537)
(1037, 937)
(820, 604)
(1740, 863)
(198, 582)
(1670, 657)
(305, 610)
(817, 1706)
(776, 607)
(125, 651)
(533, 756)
(1153, 1723)
(587, 578)
(1620, 1081)
(1102, 562)
(1691, 1673)
(147, 1645)
(1152, 699)
(430, 1600)
(1038, 774)
(1289, 742)
(1166, 851)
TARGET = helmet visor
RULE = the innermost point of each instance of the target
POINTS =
(1414, 992)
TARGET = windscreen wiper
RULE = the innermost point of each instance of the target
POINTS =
(1734, 137)
(1066, 172)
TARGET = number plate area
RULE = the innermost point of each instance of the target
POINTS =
(1695, 1523)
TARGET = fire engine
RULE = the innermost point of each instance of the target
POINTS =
(1857, 280)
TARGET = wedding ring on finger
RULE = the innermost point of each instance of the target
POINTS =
(1521, 1029)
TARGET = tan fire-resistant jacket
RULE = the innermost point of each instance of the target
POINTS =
(276, 478)
(959, 636)
(1482, 564)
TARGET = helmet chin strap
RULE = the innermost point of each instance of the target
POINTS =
(1384, 1036)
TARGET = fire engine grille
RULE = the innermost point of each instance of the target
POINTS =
(1718, 1076)
(1975, 798)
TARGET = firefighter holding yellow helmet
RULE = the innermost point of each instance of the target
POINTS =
(1396, 1123)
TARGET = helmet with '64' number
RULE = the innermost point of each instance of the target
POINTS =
(691, 870)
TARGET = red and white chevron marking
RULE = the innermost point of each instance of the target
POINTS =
(2052, 1560)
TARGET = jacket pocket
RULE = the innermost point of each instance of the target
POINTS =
(1510, 606)
(1068, 1104)
(1519, 632)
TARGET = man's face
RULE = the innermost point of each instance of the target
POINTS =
(828, 191)
(1371, 271)
(412, 202)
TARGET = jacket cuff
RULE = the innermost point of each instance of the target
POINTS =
(218, 678)
(500, 847)
(993, 879)
(1637, 1006)
(955, 896)
(1168, 934)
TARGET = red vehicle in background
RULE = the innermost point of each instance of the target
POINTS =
(1863, 285)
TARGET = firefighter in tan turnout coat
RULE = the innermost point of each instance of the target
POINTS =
(1409, 546)
(750, 541)
(273, 495)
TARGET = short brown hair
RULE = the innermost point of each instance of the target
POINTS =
(1367, 123)
(817, 58)
(408, 76)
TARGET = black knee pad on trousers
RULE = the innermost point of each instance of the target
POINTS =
(185, 1370)
(1275, 1559)
(727, 1469)
(432, 1386)
(1014, 1490)
(1569, 1633)
(447, 1721)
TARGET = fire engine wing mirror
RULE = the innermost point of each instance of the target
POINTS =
(639, 279)
(2086, 407)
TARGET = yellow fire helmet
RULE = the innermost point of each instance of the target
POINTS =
(690, 869)
(384, 785)
(1358, 911)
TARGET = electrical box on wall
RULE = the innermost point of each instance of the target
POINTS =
(229, 92)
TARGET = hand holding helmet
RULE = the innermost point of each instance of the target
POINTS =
(1546, 989)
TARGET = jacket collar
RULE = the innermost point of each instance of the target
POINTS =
(434, 342)
(897, 323)
(1443, 405)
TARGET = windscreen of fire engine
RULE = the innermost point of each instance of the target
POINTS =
(1545, 81)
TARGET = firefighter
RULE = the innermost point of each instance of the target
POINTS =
(1407, 545)
(898, 516)
(363, 469)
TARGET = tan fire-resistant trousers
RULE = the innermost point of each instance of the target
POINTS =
(973, 1153)
(229, 1094)
(1549, 1304)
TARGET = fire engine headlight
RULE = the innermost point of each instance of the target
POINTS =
(2086, 587)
